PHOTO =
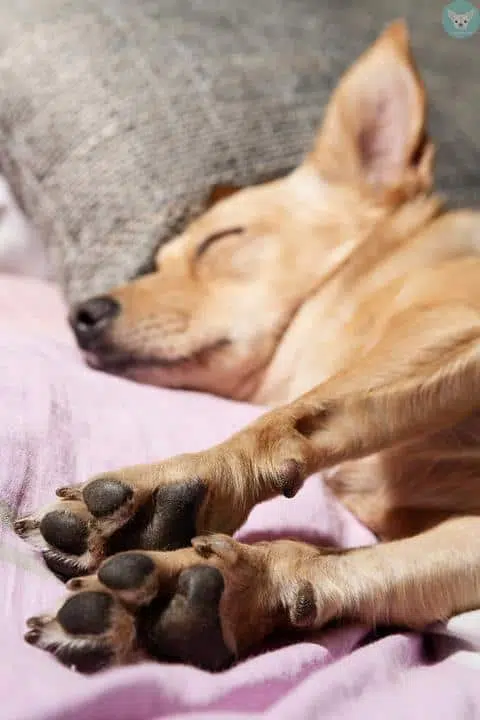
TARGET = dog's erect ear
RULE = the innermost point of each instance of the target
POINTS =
(374, 127)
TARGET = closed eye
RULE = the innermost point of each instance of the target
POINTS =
(217, 236)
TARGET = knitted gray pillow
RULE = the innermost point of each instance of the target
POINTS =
(117, 117)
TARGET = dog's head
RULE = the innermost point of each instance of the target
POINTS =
(461, 20)
(213, 312)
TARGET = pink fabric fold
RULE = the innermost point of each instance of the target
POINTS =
(61, 422)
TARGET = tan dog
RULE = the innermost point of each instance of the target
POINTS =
(347, 277)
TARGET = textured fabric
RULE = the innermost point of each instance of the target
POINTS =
(61, 422)
(118, 117)
(21, 250)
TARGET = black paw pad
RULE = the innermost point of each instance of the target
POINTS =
(65, 531)
(202, 585)
(289, 478)
(188, 629)
(304, 610)
(87, 613)
(167, 522)
(104, 496)
(32, 636)
(126, 571)
(176, 512)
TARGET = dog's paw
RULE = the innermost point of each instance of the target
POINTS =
(163, 506)
(157, 507)
(202, 606)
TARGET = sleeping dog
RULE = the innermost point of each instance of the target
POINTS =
(347, 298)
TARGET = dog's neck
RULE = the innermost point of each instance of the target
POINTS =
(317, 342)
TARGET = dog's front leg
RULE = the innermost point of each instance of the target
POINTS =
(421, 376)
(409, 583)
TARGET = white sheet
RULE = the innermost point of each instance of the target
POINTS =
(21, 251)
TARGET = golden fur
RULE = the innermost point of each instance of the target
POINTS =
(348, 298)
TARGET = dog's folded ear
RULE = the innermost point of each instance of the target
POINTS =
(374, 128)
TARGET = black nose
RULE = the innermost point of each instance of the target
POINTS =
(91, 318)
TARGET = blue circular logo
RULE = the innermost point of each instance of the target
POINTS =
(461, 19)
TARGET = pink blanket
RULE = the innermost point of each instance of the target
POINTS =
(59, 423)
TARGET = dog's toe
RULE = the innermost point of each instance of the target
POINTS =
(90, 631)
(105, 496)
(61, 534)
(126, 571)
(87, 613)
(26, 527)
(66, 531)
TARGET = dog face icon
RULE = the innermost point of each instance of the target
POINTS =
(461, 20)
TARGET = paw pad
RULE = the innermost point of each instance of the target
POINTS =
(104, 496)
(289, 478)
(65, 531)
(87, 613)
(304, 609)
(126, 571)
(188, 628)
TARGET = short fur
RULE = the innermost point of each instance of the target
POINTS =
(345, 295)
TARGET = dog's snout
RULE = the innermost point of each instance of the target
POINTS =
(91, 318)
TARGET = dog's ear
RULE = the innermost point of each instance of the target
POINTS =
(374, 127)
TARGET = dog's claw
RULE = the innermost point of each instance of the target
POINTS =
(69, 493)
(223, 546)
(32, 636)
(39, 621)
(25, 525)
(75, 584)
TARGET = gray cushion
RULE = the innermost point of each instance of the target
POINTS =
(118, 116)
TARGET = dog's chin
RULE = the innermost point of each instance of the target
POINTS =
(149, 368)
(120, 364)
(141, 370)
